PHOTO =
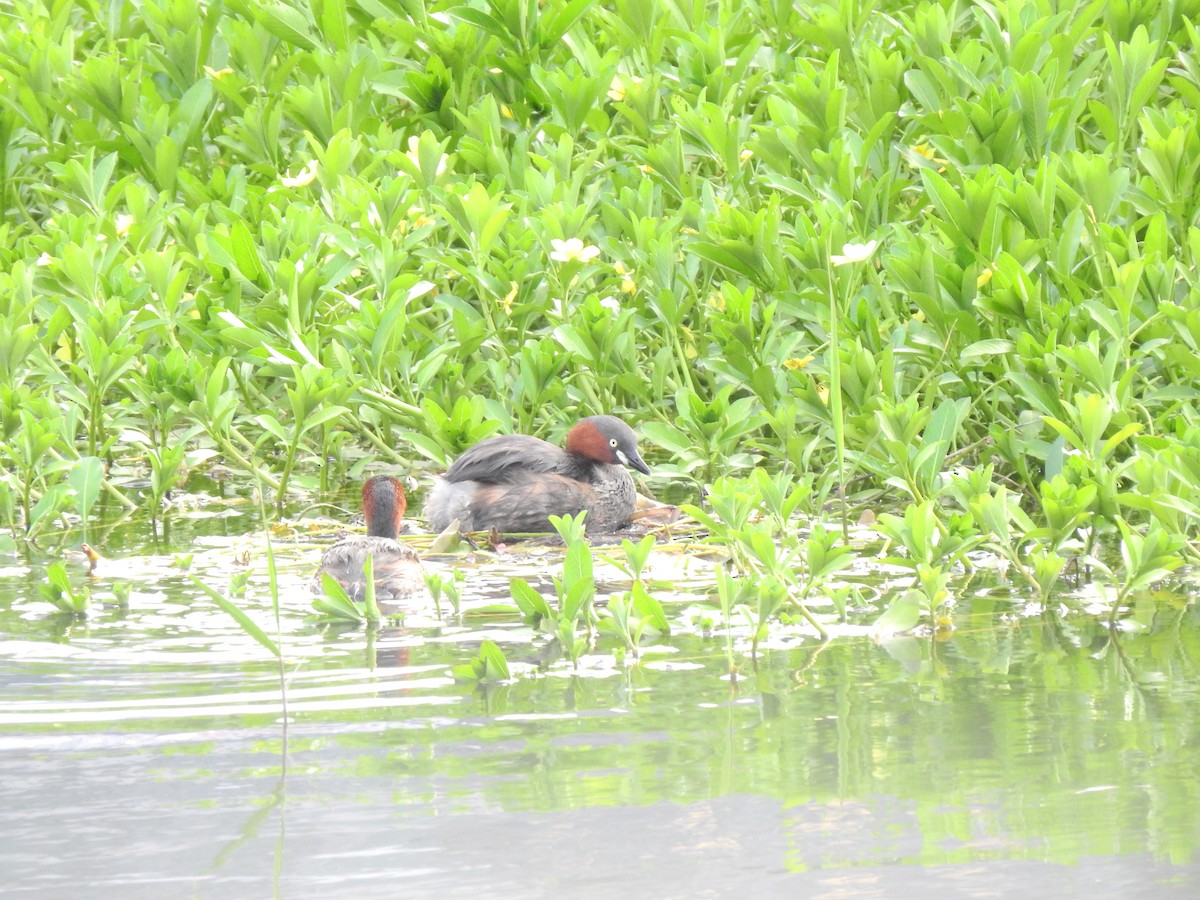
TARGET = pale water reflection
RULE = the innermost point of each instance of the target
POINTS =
(143, 753)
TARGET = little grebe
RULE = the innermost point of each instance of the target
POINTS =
(514, 483)
(398, 572)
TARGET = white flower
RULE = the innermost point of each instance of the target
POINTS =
(123, 223)
(611, 303)
(573, 249)
(853, 253)
(303, 177)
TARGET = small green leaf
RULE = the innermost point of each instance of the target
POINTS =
(86, 478)
(650, 609)
(247, 624)
(495, 665)
(533, 605)
(902, 614)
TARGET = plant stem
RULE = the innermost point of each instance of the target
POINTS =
(835, 397)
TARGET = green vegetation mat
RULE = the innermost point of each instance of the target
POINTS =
(936, 258)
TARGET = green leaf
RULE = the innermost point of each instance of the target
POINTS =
(56, 574)
(533, 606)
(986, 349)
(215, 386)
(245, 252)
(950, 205)
(482, 20)
(285, 22)
(371, 605)
(333, 23)
(335, 602)
(244, 621)
(940, 434)
(566, 17)
(49, 506)
(495, 665)
(903, 614)
(649, 609)
(59, 592)
(86, 478)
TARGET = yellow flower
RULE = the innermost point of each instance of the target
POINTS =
(572, 250)
(304, 177)
(854, 253)
(628, 285)
(506, 111)
(420, 220)
(797, 363)
(214, 73)
(618, 87)
(646, 170)
(65, 351)
(746, 155)
(926, 151)
(507, 302)
(823, 393)
(416, 219)
(984, 277)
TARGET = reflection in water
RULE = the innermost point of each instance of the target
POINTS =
(145, 751)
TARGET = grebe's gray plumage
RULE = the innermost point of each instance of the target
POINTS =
(514, 483)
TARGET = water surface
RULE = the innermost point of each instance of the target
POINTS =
(145, 750)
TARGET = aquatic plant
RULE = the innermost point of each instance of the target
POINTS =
(59, 591)
(449, 586)
(631, 615)
(335, 603)
(489, 665)
(244, 621)
(886, 251)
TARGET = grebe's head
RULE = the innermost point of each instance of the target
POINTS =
(606, 439)
(383, 505)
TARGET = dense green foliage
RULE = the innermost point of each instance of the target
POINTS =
(284, 232)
